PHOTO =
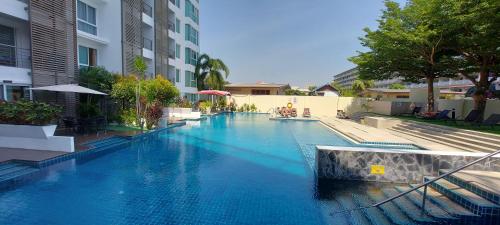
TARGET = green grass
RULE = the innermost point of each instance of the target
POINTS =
(486, 129)
(123, 128)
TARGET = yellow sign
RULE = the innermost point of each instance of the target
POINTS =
(289, 105)
(377, 169)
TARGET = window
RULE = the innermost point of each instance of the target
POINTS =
(191, 97)
(7, 46)
(16, 93)
(191, 57)
(86, 18)
(177, 51)
(189, 79)
(87, 56)
(261, 92)
(191, 34)
(177, 75)
(178, 3)
(191, 11)
(177, 26)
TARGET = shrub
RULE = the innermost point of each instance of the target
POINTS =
(28, 113)
(87, 110)
(159, 89)
(252, 108)
(182, 103)
(128, 116)
(153, 115)
(233, 107)
(204, 106)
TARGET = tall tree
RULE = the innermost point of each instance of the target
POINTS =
(407, 44)
(474, 26)
(210, 73)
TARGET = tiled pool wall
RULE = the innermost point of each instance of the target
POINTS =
(400, 166)
(82, 155)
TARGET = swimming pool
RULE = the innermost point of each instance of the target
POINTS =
(230, 169)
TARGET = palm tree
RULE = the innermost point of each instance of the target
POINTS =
(210, 73)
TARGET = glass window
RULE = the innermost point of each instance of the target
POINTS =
(191, 11)
(83, 56)
(7, 46)
(87, 56)
(16, 93)
(177, 75)
(177, 25)
(177, 51)
(1, 92)
(187, 79)
(86, 18)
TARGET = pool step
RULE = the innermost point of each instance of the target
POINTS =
(105, 142)
(406, 206)
(430, 209)
(445, 203)
(483, 183)
(11, 172)
(395, 215)
(374, 215)
(356, 217)
(469, 200)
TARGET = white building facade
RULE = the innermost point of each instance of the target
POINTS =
(110, 34)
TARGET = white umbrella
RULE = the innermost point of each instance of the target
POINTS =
(68, 88)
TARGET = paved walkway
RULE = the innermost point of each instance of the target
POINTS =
(360, 133)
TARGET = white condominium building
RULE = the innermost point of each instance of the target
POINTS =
(45, 42)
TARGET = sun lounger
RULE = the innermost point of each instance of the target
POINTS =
(492, 120)
(443, 115)
(472, 117)
(306, 113)
(294, 112)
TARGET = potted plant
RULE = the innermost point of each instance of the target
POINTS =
(28, 119)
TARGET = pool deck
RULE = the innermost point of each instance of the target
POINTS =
(362, 133)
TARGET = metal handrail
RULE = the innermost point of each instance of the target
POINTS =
(424, 197)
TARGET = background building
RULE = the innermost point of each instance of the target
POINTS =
(257, 89)
(46, 42)
(346, 78)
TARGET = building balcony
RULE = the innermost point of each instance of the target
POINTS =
(147, 50)
(15, 65)
(15, 8)
(15, 57)
(147, 15)
(171, 26)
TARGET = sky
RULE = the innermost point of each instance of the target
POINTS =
(296, 42)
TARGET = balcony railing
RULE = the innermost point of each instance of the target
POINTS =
(171, 53)
(15, 57)
(147, 9)
(171, 26)
(148, 44)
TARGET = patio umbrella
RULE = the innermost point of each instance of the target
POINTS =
(68, 88)
(214, 92)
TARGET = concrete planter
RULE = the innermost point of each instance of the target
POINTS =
(34, 138)
(27, 131)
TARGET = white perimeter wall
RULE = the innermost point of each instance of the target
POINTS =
(464, 106)
(319, 106)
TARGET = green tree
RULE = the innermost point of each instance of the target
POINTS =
(474, 26)
(210, 73)
(358, 86)
(397, 86)
(408, 43)
(311, 89)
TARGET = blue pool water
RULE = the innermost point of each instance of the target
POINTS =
(229, 169)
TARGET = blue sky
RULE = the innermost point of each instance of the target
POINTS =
(301, 42)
